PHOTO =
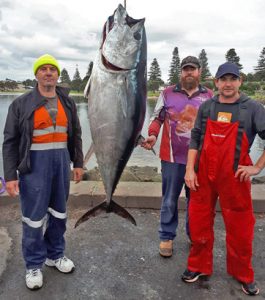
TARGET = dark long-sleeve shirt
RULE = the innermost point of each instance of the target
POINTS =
(254, 122)
(19, 130)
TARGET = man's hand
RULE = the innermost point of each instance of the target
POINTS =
(243, 173)
(149, 142)
(78, 174)
(12, 188)
(191, 179)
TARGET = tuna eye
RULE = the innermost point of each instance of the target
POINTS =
(137, 36)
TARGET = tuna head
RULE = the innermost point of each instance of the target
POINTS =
(122, 40)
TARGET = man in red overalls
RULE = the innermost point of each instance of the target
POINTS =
(219, 166)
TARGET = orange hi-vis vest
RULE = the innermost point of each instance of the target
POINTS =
(47, 135)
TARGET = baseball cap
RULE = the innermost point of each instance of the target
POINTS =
(45, 59)
(227, 68)
(190, 61)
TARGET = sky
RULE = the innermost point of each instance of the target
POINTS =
(71, 30)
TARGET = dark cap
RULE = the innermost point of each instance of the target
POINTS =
(227, 68)
(190, 61)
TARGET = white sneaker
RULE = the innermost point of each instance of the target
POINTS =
(63, 264)
(34, 279)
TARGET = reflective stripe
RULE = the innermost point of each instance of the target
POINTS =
(57, 214)
(48, 146)
(33, 224)
(38, 224)
(51, 129)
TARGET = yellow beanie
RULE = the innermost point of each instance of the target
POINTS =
(45, 59)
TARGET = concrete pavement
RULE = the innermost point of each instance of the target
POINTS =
(116, 260)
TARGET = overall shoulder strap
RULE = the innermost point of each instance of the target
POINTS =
(241, 120)
(208, 111)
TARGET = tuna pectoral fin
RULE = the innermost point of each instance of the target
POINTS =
(87, 88)
(88, 155)
(103, 207)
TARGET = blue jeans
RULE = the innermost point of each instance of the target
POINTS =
(172, 184)
(43, 195)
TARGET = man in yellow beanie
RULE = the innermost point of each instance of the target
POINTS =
(46, 59)
(42, 136)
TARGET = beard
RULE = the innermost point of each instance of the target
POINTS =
(190, 83)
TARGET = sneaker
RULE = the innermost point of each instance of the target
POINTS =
(166, 248)
(189, 276)
(250, 288)
(63, 264)
(34, 279)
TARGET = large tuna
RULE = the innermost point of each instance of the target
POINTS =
(116, 95)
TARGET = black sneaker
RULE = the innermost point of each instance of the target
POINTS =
(250, 288)
(189, 276)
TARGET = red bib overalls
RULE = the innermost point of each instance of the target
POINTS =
(216, 178)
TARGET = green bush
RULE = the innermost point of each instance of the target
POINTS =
(152, 94)
(250, 87)
(209, 84)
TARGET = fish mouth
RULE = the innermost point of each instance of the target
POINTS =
(110, 66)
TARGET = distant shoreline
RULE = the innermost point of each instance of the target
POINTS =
(150, 98)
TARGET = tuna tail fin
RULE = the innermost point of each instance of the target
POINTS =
(104, 207)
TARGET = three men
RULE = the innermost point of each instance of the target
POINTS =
(42, 134)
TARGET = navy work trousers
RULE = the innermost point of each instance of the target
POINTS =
(172, 184)
(43, 194)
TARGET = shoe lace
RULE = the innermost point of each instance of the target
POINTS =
(61, 259)
(34, 272)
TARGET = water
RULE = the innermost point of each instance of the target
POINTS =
(140, 156)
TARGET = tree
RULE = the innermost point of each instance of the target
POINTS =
(88, 74)
(89, 71)
(65, 78)
(154, 76)
(231, 56)
(174, 71)
(10, 84)
(250, 77)
(29, 83)
(2, 86)
(205, 72)
(260, 68)
(76, 82)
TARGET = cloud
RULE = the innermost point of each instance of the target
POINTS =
(71, 31)
(6, 4)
